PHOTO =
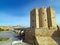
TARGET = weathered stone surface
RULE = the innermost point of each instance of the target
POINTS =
(43, 27)
(48, 40)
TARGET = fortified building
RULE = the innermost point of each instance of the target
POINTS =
(43, 27)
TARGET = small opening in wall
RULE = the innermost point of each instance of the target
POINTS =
(32, 26)
(32, 20)
(45, 19)
(42, 12)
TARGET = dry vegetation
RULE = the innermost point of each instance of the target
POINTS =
(4, 39)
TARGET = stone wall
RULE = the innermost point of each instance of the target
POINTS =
(38, 36)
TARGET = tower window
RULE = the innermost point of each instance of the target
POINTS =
(42, 12)
(32, 20)
(45, 19)
(32, 26)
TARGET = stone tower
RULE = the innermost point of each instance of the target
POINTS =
(51, 17)
(43, 27)
(34, 18)
(43, 17)
(38, 18)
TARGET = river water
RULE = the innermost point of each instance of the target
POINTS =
(9, 34)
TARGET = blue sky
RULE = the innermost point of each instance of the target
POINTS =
(17, 12)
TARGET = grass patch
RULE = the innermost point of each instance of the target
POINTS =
(4, 39)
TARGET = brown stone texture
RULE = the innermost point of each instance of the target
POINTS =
(48, 40)
(43, 27)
